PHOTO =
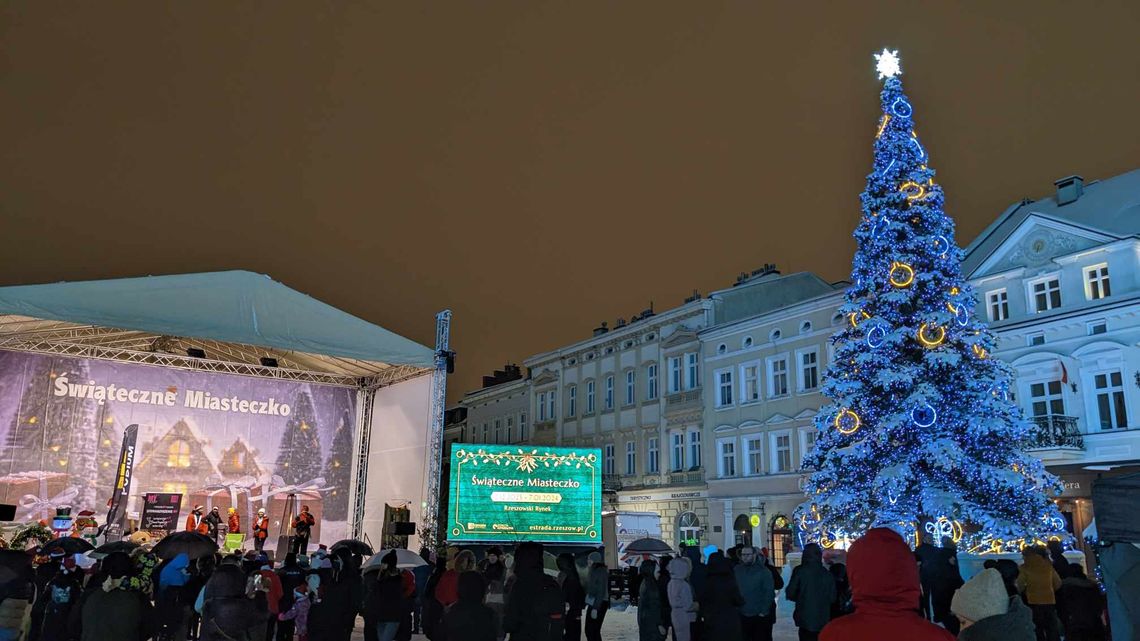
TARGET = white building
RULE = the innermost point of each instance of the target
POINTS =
(1059, 282)
(498, 412)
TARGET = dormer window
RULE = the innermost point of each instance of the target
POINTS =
(1096, 282)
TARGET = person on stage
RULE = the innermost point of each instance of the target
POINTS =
(303, 527)
(195, 522)
(213, 520)
(233, 523)
(260, 530)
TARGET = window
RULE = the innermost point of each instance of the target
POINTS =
(755, 462)
(808, 362)
(774, 335)
(782, 452)
(510, 430)
(747, 342)
(1097, 327)
(651, 381)
(498, 430)
(727, 458)
(694, 449)
(608, 399)
(550, 405)
(777, 376)
(572, 401)
(630, 388)
(542, 415)
(1110, 400)
(722, 349)
(589, 397)
(486, 433)
(1046, 294)
(1047, 398)
(749, 383)
(522, 426)
(1036, 338)
(692, 371)
(1096, 282)
(723, 387)
(678, 451)
(805, 327)
(178, 454)
(630, 458)
(807, 442)
(652, 464)
(998, 301)
(608, 459)
(674, 374)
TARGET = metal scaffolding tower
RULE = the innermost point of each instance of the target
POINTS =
(429, 533)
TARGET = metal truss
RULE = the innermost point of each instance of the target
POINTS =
(430, 534)
(360, 466)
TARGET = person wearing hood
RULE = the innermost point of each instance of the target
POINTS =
(291, 576)
(61, 594)
(984, 611)
(720, 601)
(270, 592)
(447, 591)
(650, 613)
(494, 572)
(297, 614)
(682, 605)
(1040, 582)
(1080, 604)
(597, 596)
(885, 592)
(470, 619)
(812, 588)
(573, 594)
(534, 608)
(343, 596)
(663, 578)
(1057, 558)
(759, 591)
(697, 576)
(110, 611)
(227, 614)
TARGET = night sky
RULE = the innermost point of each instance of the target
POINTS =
(536, 167)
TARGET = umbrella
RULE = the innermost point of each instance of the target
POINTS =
(116, 546)
(193, 544)
(648, 546)
(353, 546)
(404, 559)
(67, 545)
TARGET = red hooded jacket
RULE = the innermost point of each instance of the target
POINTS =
(885, 592)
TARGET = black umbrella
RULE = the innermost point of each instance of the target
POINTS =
(14, 563)
(353, 546)
(67, 545)
(193, 544)
(116, 546)
(648, 546)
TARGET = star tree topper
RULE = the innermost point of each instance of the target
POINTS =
(887, 63)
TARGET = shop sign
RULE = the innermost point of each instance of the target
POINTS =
(680, 495)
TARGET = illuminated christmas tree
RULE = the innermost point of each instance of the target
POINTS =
(921, 434)
(338, 470)
(299, 455)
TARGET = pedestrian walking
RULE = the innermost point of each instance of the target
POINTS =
(573, 594)
(1039, 582)
(929, 560)
(697, 573)
(534, 608)
(1081, 605)
(650, 611)
(884, 590)
(597, 596)
(720, 601)
(682, 604)
(470, 619)
(947, 580)
(759, 592)
(812, 588)
(985, 611)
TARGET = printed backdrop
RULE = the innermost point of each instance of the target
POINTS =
(220, 440)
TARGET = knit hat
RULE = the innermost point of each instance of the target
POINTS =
(594, 557)
(981, 597)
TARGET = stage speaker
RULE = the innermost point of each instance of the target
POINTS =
(7, 512)
(404, 528)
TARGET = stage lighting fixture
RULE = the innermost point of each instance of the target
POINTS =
(194, 352)
(268, 361)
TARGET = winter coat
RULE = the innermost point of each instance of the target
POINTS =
(261, 527)
(234, 523)
(680, 593)
(698, 570)
(757, 588)
(172, 574)
(1038, 580)
(343, 599)
(1080, 604)
(384, 599)
(598, 585)
(227, 614)
(447, 590)
(273, 595)
(469, 619)
(212, 521)
(291, 576)
(720, 602)
(812, 588)
(298, 613)
(303, 524)
(650, 615)
(196, 523)
(572, 591)
(885, 591)
(115, 615)
(1015, 625)
(534, 606)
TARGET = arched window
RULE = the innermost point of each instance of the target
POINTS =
(178, 455)
(688, 529)
(805, 327)
(721, 349)
(775, 335)
(747, 342)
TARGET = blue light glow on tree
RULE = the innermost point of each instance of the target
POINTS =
(921, 434)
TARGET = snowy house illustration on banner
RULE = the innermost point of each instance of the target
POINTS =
(179, 461)
(240, 460)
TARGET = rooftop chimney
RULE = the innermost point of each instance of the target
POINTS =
(602, 329)
(695, 297)
(620, 323)
(1069, 189)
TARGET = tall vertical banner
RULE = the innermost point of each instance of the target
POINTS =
(122, 489)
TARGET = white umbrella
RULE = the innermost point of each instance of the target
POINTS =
(404, 559)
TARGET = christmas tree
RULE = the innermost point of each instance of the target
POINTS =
(338, 471)
(921, 434)
(299, 455)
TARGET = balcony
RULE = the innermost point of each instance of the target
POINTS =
(611, 482)
(687, 478)
(1056, 431)
(682, 401)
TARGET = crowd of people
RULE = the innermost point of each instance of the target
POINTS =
(883, 587)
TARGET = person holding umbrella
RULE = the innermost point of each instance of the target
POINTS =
(195, 522)
(260, 530)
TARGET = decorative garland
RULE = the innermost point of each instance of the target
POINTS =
(32, 531)
(526, 461)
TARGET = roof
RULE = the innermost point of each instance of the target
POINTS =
(768, 294)
(238, 316)
(1111, 206)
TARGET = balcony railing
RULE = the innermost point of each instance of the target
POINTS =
(611, 482)
(1055, 430)
(683, 400)
(685, 478)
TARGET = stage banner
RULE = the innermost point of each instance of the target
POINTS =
(219, 440)
(160, 512)
(122, 479)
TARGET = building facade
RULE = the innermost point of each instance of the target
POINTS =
(1058, 279)
(499, 413)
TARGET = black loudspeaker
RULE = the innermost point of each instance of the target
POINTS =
(404, 529)
(7, 512)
